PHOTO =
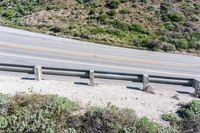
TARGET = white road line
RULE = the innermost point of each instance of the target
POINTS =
(97, 65)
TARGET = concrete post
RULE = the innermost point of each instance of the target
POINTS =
(91, 78)
(38, 72)
(196, 86)
(145, 81)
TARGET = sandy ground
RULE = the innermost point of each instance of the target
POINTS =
(144, 104)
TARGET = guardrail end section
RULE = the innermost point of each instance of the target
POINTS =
(145, 81)
(196, 86)
(91, 77)
(38, 72)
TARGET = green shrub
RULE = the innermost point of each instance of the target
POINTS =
(98, 30)
(137, 28)
(175, 17)
(120, 25)
(190, 114)
(92, 11)
(123, 1)
(113, 4)
(190, 109)
(141, 40)
(51, 7)
(118, 33)
(124, 11)
(111, 119)
(34, 113)
(182, 44)
(168, 47)
(151, 8)
(149, 18)
(195, 18)
(52, 114)
(143, 1)
(155, 45)
(4, 103)
(171, 118)
(60, 104)
(103, 19)
(196, 35)
(20, 11)
(164, 9)
(112, 12)
(146, 126)
(197, 5)
(3, 122)
(9, 14)
(195, 45)
(169, 26)
(168, 130)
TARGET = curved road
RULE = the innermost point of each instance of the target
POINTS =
(23, 47)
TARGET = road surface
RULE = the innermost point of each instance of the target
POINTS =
(23, 47)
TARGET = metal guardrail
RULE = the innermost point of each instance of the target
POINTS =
(92, 75)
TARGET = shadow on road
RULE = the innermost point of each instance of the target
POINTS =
(81, 83)
(133, 88)
(184, 92)
(28, 78)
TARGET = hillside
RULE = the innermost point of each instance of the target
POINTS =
(167, 25)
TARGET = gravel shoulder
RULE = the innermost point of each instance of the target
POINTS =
(144, 104)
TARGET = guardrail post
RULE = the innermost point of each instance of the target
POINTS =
(91, 77)
(38, 72)
(196, 86)
(145, 81)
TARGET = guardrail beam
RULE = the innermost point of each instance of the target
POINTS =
(38, 72)
(91, 74)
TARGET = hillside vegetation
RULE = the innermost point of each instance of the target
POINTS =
(168, 25)
(53, 114)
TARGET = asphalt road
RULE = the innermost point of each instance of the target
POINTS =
(23, 47)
